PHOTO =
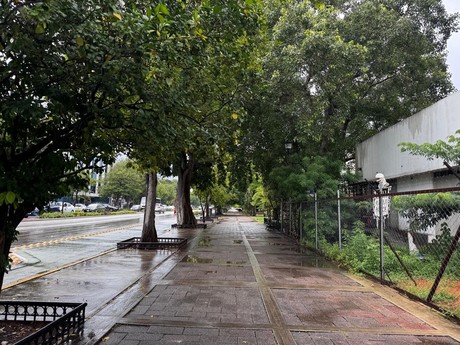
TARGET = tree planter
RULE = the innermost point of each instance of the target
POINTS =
(64, 321)
(162, 243)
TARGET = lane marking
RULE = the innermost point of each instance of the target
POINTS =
(70, 238)
(280, 330)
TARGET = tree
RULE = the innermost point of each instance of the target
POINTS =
(448, 151)
(123, 182)
(208, 88)
(166, 191)
(153, 138)
(336, 72)
(68, 74)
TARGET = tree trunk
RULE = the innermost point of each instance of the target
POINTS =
(9, 221)
(149, 232)
(208, 213)
(185, 216)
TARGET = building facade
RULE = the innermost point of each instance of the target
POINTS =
(405, 172)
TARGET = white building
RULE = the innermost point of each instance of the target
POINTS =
(406, 172)
(381, 152)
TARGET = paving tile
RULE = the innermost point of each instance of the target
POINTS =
(206, 304)
(201, 300)
(211, 272)
(360, 309)
(307, 276)
(331, 338)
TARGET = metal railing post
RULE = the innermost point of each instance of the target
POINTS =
(300, 223)
(382, 222)
(316, 221)
(339, 219)
(281, 217)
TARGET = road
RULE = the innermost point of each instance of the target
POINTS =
(33, 229)
(45, 246)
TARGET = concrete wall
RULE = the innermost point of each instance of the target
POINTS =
(382, 154)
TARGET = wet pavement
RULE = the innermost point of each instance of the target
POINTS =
(235, 283)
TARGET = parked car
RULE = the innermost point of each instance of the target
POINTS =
(136, 208)
(60, 206)
(96, 207)
(33, 213)
(79, 207)
(159, 208)
(110, 208)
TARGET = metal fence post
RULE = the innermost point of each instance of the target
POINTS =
(300, 223)
(382, 222)
(339, 219)
(281, 216)
(316, 221)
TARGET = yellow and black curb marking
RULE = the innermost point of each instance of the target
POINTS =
(25, 280)
(17, 259)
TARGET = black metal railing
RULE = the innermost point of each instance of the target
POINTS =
(161, 243)
(66, 320)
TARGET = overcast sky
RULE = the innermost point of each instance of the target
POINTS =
(453, 45)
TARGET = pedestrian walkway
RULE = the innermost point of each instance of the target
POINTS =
(239, 284)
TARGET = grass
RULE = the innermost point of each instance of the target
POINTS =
(447, 295)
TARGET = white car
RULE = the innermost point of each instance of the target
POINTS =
(159, 208)
(64, 206)
(79, 207)
(136, 208)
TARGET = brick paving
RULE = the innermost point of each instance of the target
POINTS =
(238, 284)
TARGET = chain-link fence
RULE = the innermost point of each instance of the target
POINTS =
(407, 239)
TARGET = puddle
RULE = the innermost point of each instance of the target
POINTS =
(238, 263)
(317, 262)
(197, 259)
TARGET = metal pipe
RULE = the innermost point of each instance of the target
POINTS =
(382, 252)
(339, 219)
(316, 221)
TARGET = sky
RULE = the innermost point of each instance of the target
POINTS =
(453, 46)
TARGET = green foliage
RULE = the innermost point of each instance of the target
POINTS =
(384, 63)
(296, 182)
(361, 253)
(425, 210)
(166, 191)
(57, 117)
(449, 150)
(123, 182)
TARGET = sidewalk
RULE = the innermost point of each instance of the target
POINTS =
(237, 283)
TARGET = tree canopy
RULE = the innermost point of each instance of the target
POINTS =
(334, 73)
(213, 89)
(123, 182)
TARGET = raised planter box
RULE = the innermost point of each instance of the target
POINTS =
(65, 320)
(162, 243)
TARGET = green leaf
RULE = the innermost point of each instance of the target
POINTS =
(161, 8)
(10, 197)
(40, 28)
(80, 41)
(320, 6)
